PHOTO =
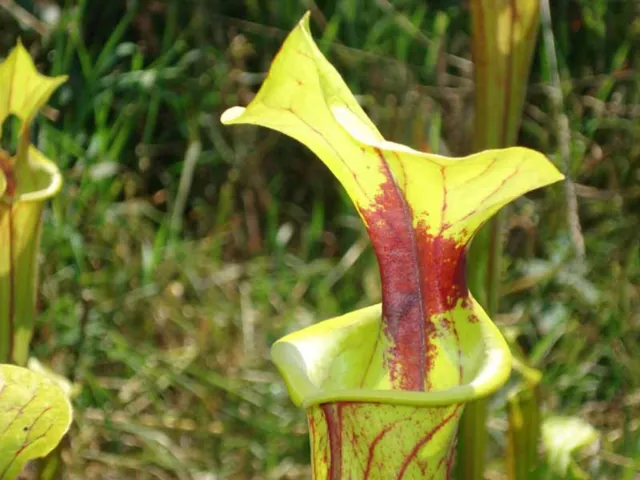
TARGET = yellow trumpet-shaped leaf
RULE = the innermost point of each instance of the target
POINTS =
(24, 90)
(420, 209)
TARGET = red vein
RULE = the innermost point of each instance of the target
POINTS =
(452, 323)
(327, 142)
(493, 192)
(480, 175)
(24, 445)
(404, 173)
(443, 209)
(414, 451)
(334, 431)
(35, 420)
(450, 461)
(373, 354)
(373, 446)
(377, 440)
(18, 414)
(12, 285)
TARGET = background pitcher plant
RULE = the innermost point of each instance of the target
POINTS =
(384, 386)
(27, 180)
(35, 413)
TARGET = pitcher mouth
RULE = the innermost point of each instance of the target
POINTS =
(46, 177)
(304, 359)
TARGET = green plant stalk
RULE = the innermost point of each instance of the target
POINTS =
(503, 41)
(384, 386)
(524, 416)
(524, 421)
(471, 451)
(484, 261)
(186, 179)
(51, 467)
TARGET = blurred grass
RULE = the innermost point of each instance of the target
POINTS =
(179, 251)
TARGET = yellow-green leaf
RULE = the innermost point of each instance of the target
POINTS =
(34, 416)
(23, 89)
(562, 436)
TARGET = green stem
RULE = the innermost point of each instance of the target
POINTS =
(503, 41)
(471, 448)
(494, 264)
(50, 467)
(484, 283)
(523, 410)
(186, 179)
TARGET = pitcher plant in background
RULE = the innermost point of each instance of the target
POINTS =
(503, 39)
(35, 413)
(384, 386)
(27, 180)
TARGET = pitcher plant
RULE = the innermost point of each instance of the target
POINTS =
(27, 180)
(384, 386)
(35, 413)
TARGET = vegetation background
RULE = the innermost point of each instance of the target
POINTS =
(179, 251)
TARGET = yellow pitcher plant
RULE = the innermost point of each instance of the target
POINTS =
(35, 413)
(384, 387)
(27, 180)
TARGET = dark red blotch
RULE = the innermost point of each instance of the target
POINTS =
(421, 275)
